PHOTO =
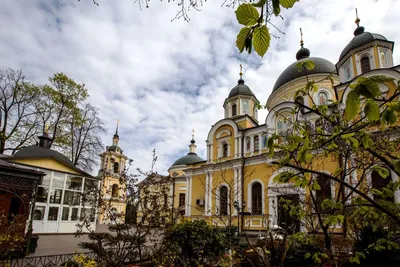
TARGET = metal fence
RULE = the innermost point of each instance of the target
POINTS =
(44, 261)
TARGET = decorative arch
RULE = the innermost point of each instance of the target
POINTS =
(222, 203)
(218, 125)
(250, 195)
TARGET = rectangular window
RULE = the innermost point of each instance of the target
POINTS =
(65, 214)
(181, 199)
(72, 198)
(42, 193)
(38, 213)
(74, 182)
(55, 196)
(53, 214)
(74, 214)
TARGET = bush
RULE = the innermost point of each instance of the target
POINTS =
(296, 255)
(191, 244)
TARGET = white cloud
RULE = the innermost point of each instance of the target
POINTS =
(163, 78)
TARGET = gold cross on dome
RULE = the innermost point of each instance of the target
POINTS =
(117, 122)
(357, 19)
(301, 37)
(192, 134)
(241, 71)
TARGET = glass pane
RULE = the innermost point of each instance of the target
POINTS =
(55, 196)
(38, 213)
(87, 213)
(41, 195)
(58, 180)
(74, 182)
(65, 214)
(53, 214)
(74, 214)
(46, 178)
(90, 184)
(72, 198)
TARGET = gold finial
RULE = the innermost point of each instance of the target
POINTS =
(192, 134)
(117, 122)
(357, 19)
(241, 71)
(301, 38)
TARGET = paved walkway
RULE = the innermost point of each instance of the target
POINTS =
(62, 243)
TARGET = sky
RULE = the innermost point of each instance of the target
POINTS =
(161, 79)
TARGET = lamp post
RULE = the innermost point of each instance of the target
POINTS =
(240, 212)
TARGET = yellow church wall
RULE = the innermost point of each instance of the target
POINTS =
(198, 192)
(353, 62)
(47, 163)
(376, 56)
(215, 141)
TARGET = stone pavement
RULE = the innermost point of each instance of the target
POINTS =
(61, 243)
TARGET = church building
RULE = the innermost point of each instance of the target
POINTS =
(237, 174)
(113, 194)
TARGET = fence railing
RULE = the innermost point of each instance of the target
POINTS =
(44, 261)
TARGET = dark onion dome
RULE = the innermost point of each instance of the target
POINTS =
(190, 158)
(302, 53)
(361, 38)
(241, 89)
(292, 72)
(114, 148)
(43, 152)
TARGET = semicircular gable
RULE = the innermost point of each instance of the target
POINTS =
(215, 129)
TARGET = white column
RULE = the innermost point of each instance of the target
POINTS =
(211, 152)
(206, 195)
(260, 141)
(210, 194)
(252, 145)
(239, 185)
(190, 195)
(235, 189)
(187, 207)
(235, 144)
(208, 152)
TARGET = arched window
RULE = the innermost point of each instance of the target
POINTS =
(256, 143)
(223, 198)
(378, 182)
(248, 144)
(264, 140)
(114, 190)
(256, 198)
(325, 192)
(365, 64)
(224, 150)
(322, 98)
(116, 167)
(283, 124)
(234, 110)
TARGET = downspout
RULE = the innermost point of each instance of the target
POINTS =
(242, 181)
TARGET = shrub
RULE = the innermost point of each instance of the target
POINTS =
(191, 244)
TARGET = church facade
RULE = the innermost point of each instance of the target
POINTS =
(113, 195)
(237, 177)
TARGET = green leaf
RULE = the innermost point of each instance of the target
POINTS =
(368, 88)
(261, 40)
(247, 15)
(366, 141)
(241, 38)
(287, 3)
(352, 105)
(354, 142)
(307, 63)
(307, 255)
(372, 111)
(260, 3)
(383, 172)
(276, 7)
(389, 116)
(397, 166)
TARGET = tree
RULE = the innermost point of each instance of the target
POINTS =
(86, 144)
(12, 233)
(129, 241)
(362, 141)
(256, 19)
(18, 117)
(27, 110)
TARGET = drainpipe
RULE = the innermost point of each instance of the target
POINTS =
(242, 181)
